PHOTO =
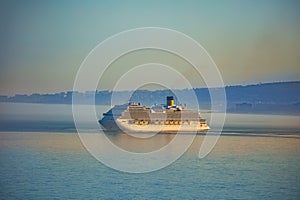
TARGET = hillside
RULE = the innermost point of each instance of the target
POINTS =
(280, 97)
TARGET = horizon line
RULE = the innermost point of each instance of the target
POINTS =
(244, 85)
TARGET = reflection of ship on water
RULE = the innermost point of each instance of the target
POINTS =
(134, 117)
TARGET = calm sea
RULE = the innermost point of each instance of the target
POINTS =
(41, 157)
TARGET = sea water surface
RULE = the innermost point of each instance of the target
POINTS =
(41, 157)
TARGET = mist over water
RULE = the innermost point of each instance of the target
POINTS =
(58, 118)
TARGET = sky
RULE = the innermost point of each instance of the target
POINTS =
(43, 43)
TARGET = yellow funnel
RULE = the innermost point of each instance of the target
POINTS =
(170, 101)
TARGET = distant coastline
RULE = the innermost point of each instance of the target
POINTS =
(270, 98)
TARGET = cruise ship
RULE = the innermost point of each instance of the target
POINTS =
(169, 118)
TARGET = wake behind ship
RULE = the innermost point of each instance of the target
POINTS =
(169, 118)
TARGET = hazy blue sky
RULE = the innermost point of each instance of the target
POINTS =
(44, 42)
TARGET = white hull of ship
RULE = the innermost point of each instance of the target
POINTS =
(193, 126)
